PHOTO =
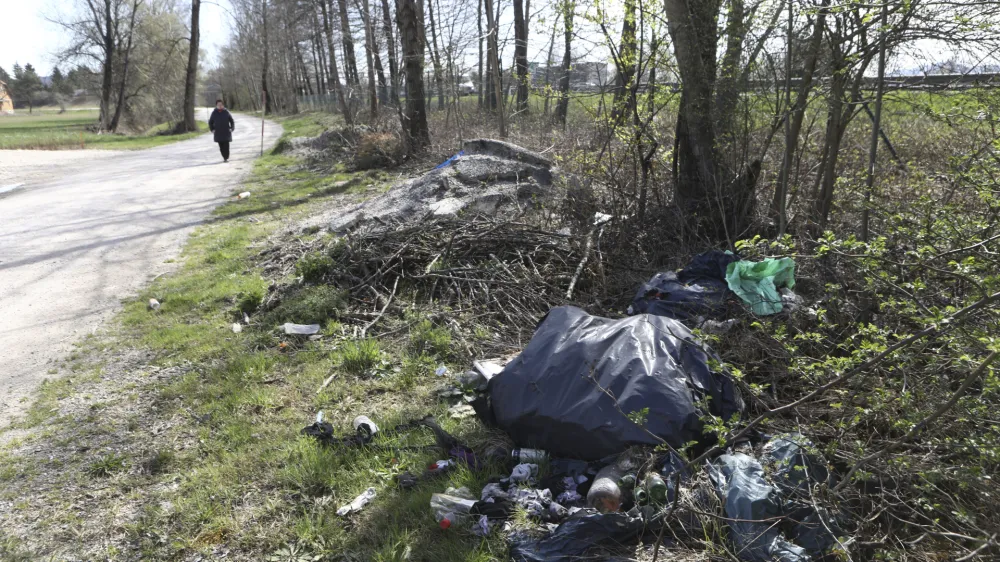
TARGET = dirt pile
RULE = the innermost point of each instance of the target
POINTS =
(486, 177)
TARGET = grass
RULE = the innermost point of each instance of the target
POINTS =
(50, 130)
(245, 477)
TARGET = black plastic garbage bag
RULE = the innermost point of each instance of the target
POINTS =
(700, 289)
(754, 509)
(585, 529)
(548, 397)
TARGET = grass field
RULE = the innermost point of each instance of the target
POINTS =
(46, 129)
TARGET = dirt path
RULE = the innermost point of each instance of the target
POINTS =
(88, 229)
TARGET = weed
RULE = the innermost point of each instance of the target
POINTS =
(414, 368)
(158, 463)
(108, 465)
(361, 356)
(309, 305)
(248, 300)
(426, 338)
(314, 267)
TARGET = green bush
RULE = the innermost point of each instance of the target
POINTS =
(249, 301)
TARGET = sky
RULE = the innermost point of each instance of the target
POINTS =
(26, 36)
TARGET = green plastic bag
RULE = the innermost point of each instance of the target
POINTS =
(758, 283)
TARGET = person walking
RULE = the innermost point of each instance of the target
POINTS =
(222, 126)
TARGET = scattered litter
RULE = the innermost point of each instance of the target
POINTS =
(237, 328)
(365, 427)
(482, 527)
(752, 503)
(441, 371)
(570, 495)
(449, 160)
(698, 289)
(449, 509)
(154, 304)
(461, 411)
(246, 318)
(243, 195)
(301, 329)
(524, 472)
(606, 493)
(440, 466)
(526, 455)
(552, 396)
(758, 283)
(581, 531)
(358, 503)
(716, 327)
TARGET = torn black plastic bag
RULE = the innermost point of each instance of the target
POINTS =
(699, 289)
(582, 531)
(548, 398)
(754, 509)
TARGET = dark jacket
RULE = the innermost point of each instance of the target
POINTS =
(221, 123)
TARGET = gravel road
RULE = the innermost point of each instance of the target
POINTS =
(90, 228)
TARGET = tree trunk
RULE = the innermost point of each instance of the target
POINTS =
(334, 71)
(436, 57)
(625, 101)
(876, 123)
(521, 55)
(350, 62)
(267, 61)
(548, 64)
(492, 48)
(481, 84)
(390, 41)
(128, 52)
(410, 22)
(370, 58)
(562, 108)
(108, 40)
(191, 78)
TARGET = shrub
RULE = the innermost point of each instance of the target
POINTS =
(378, 150)
(313, 304)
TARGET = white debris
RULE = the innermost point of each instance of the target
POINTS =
(154, 304)
(358, 503)
(237, 328)
(301, 329)
(243, 195)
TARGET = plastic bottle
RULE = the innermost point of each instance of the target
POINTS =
(525, 455)
(154, 304)
(655, 487)
(365, 426)
(449, 510)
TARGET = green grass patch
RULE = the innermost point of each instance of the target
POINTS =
(48, 130)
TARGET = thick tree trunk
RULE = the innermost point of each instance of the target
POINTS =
(334, 71)
(716, 198)
(191, 78)
(390, 41)
(521, 54)
(350, 62)
(410, 22)
(562, 108)
(436, 57)
(492, 48)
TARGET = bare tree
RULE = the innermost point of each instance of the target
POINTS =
(521, 53)
(410, 22)
(568, 7)
(191, 78)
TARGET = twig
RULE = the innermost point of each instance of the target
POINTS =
(326, 383)
(388, 301)
(973, 377)
(989, 542)
(583, 262)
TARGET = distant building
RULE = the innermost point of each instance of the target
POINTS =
(6, 101)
